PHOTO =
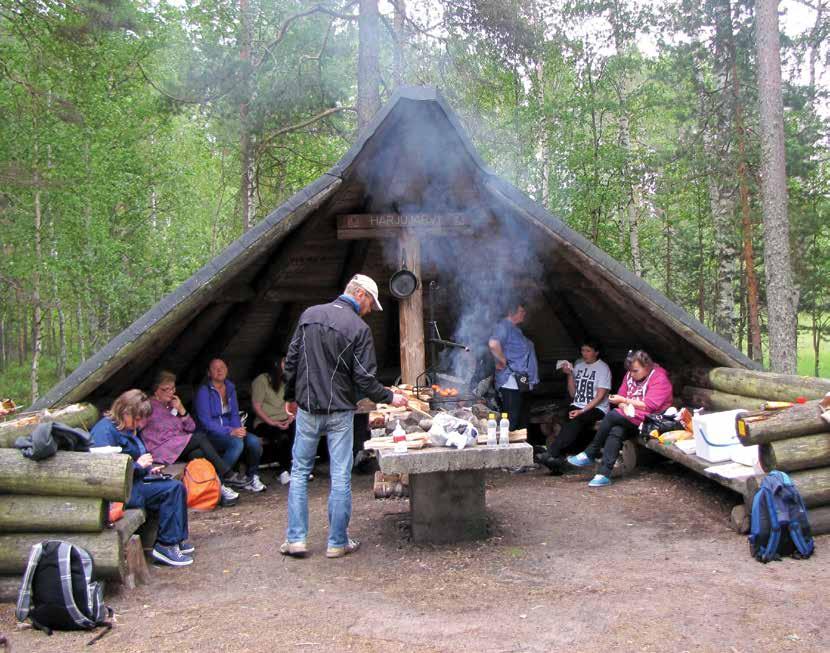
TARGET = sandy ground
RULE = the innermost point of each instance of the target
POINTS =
(649, 564)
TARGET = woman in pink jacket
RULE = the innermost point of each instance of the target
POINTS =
(645, 389)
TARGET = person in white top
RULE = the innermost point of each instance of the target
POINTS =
(589, 384)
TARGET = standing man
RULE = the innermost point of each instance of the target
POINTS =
(517, 369)
(330, 364)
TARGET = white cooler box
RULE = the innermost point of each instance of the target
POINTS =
(715, 435)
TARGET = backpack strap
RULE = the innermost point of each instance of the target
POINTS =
(24, 596)
(65, 569)
(769, 552)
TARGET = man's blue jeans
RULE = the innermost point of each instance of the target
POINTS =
(339, 430)
(228, 446)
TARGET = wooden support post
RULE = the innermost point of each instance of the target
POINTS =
(412, 313)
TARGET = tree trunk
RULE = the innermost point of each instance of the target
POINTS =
(782, 296)
(773, 426)
(62, 335)
(33, 514)
(813, 485)
(794, 454)
(718, 400)
(368, 66)
(67, 473)
(37, 334)
(399, 54)
(76, 415)
(2, 340)
(245, 158)
(763, 385)
(79, 315)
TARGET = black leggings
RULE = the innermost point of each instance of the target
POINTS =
(282, 441)
(200, 447)
(614, 429)
(575, 433)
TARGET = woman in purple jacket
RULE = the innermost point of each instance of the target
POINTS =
(170, 433)
(217, 411)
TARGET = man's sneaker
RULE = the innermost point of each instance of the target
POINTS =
(254, 484)
(295, 549)
(340, 551)
(171, 555)
(186, 547)
(229, 497)
(236, 480)
(599, 481)
(285, 478)
(580, 460)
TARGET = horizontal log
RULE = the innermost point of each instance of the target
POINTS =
(794, 454)
(67, 473)
(78, 415)
(772, 426)
(752, 383)
(714, 400)
(9, 587)
(819, 520)
(814, 486)
(32, 514)
(106, 548)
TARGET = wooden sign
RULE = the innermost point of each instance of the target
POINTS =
(391, 225)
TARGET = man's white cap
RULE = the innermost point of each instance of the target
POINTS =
(368, 284)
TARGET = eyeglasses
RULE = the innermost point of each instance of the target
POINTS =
(169, 388)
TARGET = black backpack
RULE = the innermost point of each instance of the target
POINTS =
(778, 524)
(58, 593)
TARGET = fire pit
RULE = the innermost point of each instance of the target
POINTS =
(447, 394)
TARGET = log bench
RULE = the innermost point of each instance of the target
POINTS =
(446, 487)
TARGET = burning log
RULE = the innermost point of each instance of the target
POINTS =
(766, 385)
(771, 426)
(794, 454)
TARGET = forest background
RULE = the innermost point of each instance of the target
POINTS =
(139, 137)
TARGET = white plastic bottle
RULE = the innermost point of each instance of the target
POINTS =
(491, 430)
(399, 438)
(504, 431)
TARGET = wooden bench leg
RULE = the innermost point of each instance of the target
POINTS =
(137, 572)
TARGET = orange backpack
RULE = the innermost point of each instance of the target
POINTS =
(202, 485)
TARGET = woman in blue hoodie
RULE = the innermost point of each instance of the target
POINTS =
(119, 428)
(217, 411)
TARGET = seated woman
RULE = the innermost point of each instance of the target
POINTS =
(589, 382)
(118, 428)
(217, 411)
(170, 433)
(645, 389)
(272, 421)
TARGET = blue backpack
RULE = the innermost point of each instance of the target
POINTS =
(779, 524)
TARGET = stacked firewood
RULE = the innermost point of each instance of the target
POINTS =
(793, 437)
(63, 497)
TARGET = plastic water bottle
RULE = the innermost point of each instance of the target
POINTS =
(399, 438)
(504, 431)
(491, 430)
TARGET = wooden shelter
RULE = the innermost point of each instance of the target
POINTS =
(412, 190)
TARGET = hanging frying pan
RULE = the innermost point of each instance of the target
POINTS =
(403, 283)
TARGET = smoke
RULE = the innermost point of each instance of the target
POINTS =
(421, 167)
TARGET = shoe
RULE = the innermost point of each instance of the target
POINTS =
(186, 547)
(554, 465)
(285, 478)
(340, 551)
(236, 480)
(599, 481)
(228, 494)
(171, 555)
(580, 460)
(311, 477)
(254, 484)
(294, 549)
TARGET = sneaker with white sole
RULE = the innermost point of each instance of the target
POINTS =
(171, 555)
(580, 460)
(340, 551)
(599, 481)
(285, 478)
(228, 495)
(294, 549)
(236, 480)
(186, 547)
(254, 484)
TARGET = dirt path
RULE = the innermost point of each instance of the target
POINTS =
(649, 564)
